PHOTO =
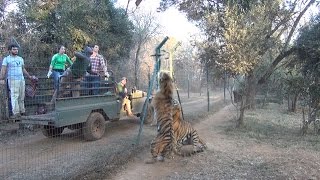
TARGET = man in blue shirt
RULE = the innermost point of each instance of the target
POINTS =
(13, 67)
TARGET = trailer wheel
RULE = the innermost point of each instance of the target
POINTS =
(50, 131)
(95, 127)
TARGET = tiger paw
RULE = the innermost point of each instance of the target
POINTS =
(160, 158)
(200, 148)
(170, 156)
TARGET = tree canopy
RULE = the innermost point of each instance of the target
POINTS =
(41, 26)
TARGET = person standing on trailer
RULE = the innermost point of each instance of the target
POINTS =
(13, 69)
(58, 65)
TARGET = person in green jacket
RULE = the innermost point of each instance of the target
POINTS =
(123, 92)
(58, 65)
(74, 74)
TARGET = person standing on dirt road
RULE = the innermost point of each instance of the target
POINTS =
(58, 65)
(122, 92)
(13, 67)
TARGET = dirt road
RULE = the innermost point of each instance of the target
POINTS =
(231, 154)
(232, 157)
(30, 155)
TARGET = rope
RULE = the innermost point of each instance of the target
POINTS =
(175, 83)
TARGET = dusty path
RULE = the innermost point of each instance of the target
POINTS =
(30, 155)
(229, 157)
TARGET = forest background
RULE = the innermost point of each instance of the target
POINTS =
(258, 47)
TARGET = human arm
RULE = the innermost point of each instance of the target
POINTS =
(25, 72)
(68, 60)
(80, 55)
(104, 66)
(3, 72)
(121, 90)
(53, 61)
(50, 68)
(3, 69)
(49, 72)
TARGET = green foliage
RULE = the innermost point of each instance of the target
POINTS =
(272, 124)
(74, 24)
(294, 82)
(308, 44)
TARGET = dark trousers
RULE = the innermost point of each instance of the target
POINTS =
(93, 82)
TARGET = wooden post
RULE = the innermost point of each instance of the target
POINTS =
(4, 108)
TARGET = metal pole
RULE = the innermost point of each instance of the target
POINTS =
(158, 59)
(154, 76)
(224, 86)
(208, 88)
(200, 80)
(188, 87)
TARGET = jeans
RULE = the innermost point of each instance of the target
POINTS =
(67, 79)
(17, 92)
(93, 82)
(56, 75)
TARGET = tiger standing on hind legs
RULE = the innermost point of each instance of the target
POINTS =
(173, 131)
(162, 145)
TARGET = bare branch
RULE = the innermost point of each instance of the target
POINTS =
(274, 64)
(295, 24)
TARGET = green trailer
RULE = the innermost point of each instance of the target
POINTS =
(86, 112)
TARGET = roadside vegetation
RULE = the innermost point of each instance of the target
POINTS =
(274, 125)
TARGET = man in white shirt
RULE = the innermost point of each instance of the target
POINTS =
(13, 67)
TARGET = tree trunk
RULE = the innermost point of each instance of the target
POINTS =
(240, 120)
(312, 115)
(248, 98)
(136, 67)
(4, 107)
(292, 102)
(250, 92)
(289, 102)
(305, 127)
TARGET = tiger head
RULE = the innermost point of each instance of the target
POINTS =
(176, 111)
(166, 84)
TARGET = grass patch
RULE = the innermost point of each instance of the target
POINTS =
(272, 124)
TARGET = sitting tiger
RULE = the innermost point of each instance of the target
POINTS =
(162, 145)
(184, 133)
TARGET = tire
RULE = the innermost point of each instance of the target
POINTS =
(50, 131)
(94, 127)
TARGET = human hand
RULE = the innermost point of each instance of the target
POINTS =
(33, 78)
(49, 74)
(107, 75)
